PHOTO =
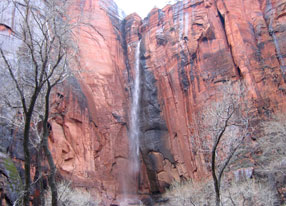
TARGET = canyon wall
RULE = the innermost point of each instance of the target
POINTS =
(189, 51)
(89, 137)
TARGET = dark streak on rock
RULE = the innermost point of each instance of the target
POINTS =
(154, 135)
(222, 20)
(182, 62)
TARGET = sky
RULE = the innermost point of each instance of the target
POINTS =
(141, 7)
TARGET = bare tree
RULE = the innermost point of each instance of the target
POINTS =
(271, 146)
(43, 48)
(227, 123)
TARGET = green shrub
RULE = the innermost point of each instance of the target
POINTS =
(15, 181)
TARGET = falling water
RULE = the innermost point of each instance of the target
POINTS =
(134, 117)
(130, 183)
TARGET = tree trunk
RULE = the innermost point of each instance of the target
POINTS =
(48, 154)
(27, 160)
(28, 118)
(216, 182)
(38, 199)
(52, 175)
(214, 149)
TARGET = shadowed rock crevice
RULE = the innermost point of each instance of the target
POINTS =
(222, 20)
(78, 95)
(182, 62)
(154, 132)
(125, 52)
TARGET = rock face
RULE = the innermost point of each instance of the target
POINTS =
(89, 137)
(188, 52)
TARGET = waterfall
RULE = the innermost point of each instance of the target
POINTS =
(134, 116)
(130, 183)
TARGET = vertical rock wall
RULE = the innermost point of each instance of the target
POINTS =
(89, 129)
(190, 50)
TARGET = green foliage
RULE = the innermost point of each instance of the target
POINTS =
(15, 181)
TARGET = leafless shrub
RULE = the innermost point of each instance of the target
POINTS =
(190, 194)
(246, 193)
(271, 147)
(68, 196)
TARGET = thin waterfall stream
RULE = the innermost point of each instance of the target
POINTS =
(134, 116)
(131, 184)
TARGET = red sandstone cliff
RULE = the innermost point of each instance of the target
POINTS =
(188, 51)
(89, 131)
